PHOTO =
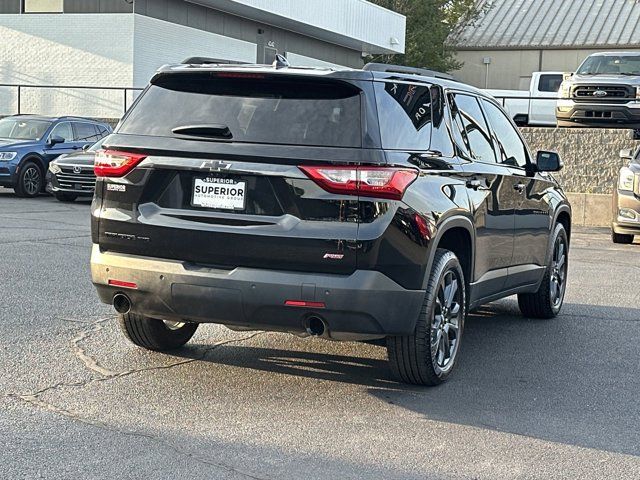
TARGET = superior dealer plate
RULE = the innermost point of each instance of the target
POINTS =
(224, 193)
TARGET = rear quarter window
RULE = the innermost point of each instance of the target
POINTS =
(412, 117)
(259, 109)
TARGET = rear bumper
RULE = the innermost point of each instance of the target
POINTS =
(363, 305)
(569, 112)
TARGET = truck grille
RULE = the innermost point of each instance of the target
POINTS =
(84, 180)
(614, 93)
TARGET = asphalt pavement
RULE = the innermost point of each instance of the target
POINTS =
(530, 399)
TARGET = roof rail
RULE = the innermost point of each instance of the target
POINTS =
(384, 67)
(207, 60)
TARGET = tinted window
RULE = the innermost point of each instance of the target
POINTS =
(550, 83)
(404, 112)
(512, 149)
(86, 132)
(469, 119)
(102, 131)
(63, 130)
(273, 110)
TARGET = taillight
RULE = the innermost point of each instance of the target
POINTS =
(382, 182)
(113, 163)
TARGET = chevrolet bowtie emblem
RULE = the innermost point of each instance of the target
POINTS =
(215, 165)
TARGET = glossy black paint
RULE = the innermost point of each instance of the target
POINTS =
(497, 217)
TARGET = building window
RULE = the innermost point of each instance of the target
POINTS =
(9, 6)
(43, 6)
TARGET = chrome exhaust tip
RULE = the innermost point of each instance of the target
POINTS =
(121, 303)
(315, 326)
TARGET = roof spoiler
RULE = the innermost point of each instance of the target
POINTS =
(208, 60)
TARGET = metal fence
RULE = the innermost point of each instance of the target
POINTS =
(90, 101)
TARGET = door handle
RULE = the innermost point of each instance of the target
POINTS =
(519, 187)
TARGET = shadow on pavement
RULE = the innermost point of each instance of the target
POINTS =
(565, 380)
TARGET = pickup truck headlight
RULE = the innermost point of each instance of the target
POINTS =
(7, 156)
(55, 169)
(565, 90)
(625, 181)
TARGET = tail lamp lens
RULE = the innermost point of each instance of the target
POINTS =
(380, 182)
(114, 163)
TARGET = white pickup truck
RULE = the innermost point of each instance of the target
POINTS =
(536, 106)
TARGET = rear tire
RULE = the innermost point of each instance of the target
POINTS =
(30, 180)
(547, 301)
(154, 334)
(428, 356)
(621, 238)
(66, 197)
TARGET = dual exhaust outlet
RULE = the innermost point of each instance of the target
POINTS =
(314, 325)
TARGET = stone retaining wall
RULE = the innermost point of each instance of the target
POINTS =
(591, 155)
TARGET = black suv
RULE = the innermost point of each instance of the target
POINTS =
(382, 203)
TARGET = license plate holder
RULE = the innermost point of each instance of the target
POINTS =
(222, 193)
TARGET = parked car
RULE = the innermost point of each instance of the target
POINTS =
(29, 142)
(535, 106)
(626, 200)
(71, 176)
(603, 92)
(325, 203)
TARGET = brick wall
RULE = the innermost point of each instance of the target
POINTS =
(591, 155)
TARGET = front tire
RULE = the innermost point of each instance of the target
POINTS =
(621, 238)
(30, 181)
(547, 301)
(66, 197)
(428, 356)
(154, 334)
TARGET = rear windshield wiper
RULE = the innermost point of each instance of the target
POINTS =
(213, 130)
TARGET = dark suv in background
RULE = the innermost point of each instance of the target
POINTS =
(382, 203)
(29, 142)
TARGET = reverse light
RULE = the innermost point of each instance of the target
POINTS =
(122, 284)
(381, 182)
(625, 180)
(114, 163)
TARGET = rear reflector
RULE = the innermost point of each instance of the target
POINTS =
(122, 283)
(113, 163)
(380, 182)
(303, 303)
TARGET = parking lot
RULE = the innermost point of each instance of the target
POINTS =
(530, 399)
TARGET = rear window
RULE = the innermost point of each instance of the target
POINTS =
(257, 110)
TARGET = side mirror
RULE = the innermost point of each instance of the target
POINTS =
(86, 147)
(55, 139)
(626, 154)
(548, 162)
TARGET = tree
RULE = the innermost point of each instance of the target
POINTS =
(429, 23)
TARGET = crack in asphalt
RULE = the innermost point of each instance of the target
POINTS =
(92, 364)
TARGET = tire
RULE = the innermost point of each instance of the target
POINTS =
(547, 301)
(66, 197)
(621, 238)
(154, 334)
(419, 358)
(30, 180)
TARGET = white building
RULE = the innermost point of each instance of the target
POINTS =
(120, 43)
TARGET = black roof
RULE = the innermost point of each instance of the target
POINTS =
(368, 72)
